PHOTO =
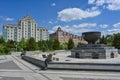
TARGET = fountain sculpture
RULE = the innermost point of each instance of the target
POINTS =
(92, 49)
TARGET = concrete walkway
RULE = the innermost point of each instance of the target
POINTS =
(12, 67)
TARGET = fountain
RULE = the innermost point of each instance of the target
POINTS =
(92, 49)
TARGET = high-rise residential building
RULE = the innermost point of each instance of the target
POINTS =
(63, 37)
(26, 28)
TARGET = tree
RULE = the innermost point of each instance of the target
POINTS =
(31, 44)
(56, 44)
(110, 39)
(6, 49)
(81, 43)
(70, 44)
(2, 50)
(49, 44)
(103, 40)
(116, 41)
(10, 44)
(23, 44)
(63, 46)
(41, 45)
(2, 45)
(2, 40)
(46, 45)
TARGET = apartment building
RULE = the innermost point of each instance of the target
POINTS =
(26, 28)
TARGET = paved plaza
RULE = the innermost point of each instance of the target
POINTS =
(12, 67)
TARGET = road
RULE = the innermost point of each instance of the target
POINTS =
(12, 67)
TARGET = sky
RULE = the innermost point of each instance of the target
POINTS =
(73, 16)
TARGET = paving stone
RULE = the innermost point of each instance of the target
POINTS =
(12, 78)
(9, 65)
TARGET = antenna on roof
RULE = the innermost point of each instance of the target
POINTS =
(27, 14)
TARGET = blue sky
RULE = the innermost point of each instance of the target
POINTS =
(74, 16)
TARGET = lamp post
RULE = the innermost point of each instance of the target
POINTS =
(16, 47)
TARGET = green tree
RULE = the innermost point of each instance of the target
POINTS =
(6, 49)
(2, 40)
(42, 45)
(2, 45)
(2, 50)
(80, 43)
(22, 45)
(46, 45)
(110, 39)
(63, 46)
(56, 44)
(103, 40)
(10, 44)
(70, 44)
(49, 44)
(31, 44)
(116, 41)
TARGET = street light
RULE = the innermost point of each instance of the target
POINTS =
(16, 47)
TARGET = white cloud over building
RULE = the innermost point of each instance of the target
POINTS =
(77, 28)
(103, 25)
(71, 14)
(108, 4)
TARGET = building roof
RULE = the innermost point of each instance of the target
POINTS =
(10, 25)
(27, 17)
(59, 29)
(42, 28)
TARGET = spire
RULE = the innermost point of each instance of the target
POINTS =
(27, 13)
(27, 16)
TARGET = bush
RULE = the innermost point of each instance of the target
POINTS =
(6, 50)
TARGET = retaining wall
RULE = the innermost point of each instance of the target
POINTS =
(74, 66)
(85, 66)
(36, 62)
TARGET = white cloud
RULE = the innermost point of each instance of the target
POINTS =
(70, 14)
(85, 25)
(117, 25)
(9, 19)
(91, 1)
(50, 22)
(103, 25)
(113, 31)
(6, 18)
(108, 4)
(51, 31)
(113, 4)
(53, 4)
(77, 29)
(94, 8)
(100, 2)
